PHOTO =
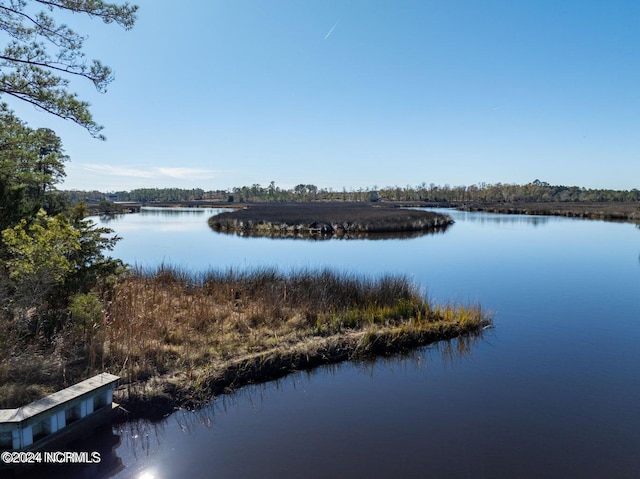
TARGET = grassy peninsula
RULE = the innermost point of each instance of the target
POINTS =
(177, 340)
(321, 220)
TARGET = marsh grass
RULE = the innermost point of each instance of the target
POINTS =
(27, 374)
(609, 211)
(324, 220)
(176, 338)
(181, 338)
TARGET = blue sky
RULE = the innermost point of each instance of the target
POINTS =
(216, 94)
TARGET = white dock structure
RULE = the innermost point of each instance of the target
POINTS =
(47, 419)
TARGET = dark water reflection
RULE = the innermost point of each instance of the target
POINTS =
(552, 391)
(159, 213)
(335, 236)
(283, 423)
(526, 220)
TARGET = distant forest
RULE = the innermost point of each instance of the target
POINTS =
(536, 191)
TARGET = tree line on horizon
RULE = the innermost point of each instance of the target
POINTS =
(536, 191)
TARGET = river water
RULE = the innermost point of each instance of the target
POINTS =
(553, 390)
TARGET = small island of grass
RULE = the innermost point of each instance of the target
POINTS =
(327, 220)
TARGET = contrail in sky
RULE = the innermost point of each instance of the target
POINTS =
(330, 31)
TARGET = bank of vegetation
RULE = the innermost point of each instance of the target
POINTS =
(322, 220)
(610, 211)
(177, 340)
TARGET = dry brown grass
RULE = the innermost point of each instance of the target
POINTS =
(176, 340)
(226, 329)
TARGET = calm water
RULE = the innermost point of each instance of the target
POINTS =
(552, 391)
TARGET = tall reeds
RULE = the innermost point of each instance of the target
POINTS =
(222, 329)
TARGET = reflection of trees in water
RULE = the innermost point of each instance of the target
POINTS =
(498, 218)
(158, 211)
(110, 218)
(171, 212)
(165, 212)
(493, 218)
